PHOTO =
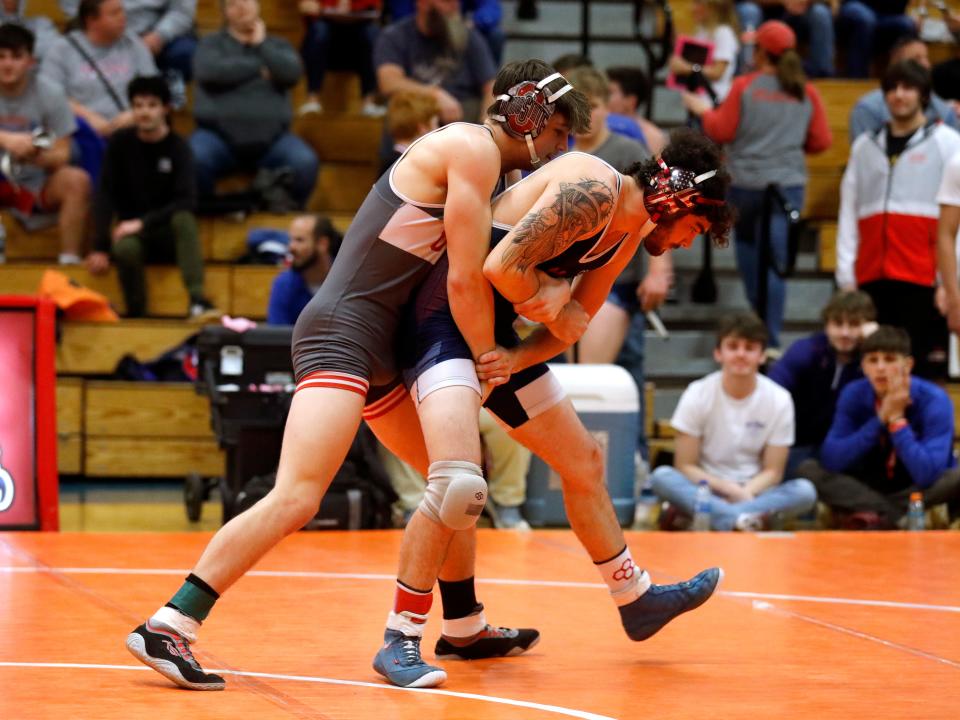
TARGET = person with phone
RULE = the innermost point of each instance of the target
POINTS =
(709, 58)
(770, 119)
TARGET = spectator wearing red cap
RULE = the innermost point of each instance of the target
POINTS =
(768, 121)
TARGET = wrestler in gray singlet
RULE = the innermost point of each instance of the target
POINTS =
(345, 336)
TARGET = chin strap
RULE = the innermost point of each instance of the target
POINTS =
(534, 159)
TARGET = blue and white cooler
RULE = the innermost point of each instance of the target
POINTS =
(606, 399)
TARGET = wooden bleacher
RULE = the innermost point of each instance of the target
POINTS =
(241, 290)
(826, 169)
(122, 429)
(222, 239)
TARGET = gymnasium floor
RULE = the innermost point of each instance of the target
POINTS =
(813, 625)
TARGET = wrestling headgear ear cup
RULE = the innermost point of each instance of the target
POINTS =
(673, 191)
(526, 107)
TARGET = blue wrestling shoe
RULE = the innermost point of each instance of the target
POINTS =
(660, 604)
(399, 662)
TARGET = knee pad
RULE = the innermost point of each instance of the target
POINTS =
(455, 495)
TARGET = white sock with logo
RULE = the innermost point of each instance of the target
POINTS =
(626, 581)
(176, 620)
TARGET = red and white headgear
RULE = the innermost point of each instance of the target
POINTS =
(526, 107)
(673, 191)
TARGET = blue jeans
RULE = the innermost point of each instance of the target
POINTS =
(214, 158)
(790, 498)
(339, 46)
(865, 34)
(178, 55)
(749, 232)
(814, 29)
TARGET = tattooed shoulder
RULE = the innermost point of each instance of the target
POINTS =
(577, 210)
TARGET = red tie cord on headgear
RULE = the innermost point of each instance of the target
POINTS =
(675, 191)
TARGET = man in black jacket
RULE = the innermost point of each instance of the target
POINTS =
(147, 184)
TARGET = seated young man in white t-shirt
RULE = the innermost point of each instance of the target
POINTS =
(734, 430)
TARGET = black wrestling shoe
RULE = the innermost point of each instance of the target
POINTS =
(490, 642)
(168, 652)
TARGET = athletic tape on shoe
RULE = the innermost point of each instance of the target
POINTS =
(455, 495)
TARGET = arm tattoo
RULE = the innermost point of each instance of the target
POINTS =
(577, 210)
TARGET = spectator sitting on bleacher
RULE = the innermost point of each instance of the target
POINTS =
(92, 66)
(242, 103)
(629, 89)
(43, 29)
(734, 430)
(868, 28)
(624, 125)
(435, 51)
(314, 243)
(147, 183)
(164, 26)
(811, 20)
(410, 114)
(815, 369)
(892, 435)
(871, 113)
(716, 24)
(888, 215)
(482, 15)
(339, 34)
(770, 119)
(35, 128)
(618, 150)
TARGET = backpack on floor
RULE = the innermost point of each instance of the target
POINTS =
(360, 496)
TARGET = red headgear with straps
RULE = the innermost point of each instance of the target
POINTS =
(526, 107)
(674, 192)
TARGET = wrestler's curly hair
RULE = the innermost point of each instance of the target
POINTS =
(691, 150)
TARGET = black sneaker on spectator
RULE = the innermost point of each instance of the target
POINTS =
(203, 311)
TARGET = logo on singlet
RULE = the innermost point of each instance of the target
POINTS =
(440, 243)
(6, 486)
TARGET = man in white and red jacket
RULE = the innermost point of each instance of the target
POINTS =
(887, 234)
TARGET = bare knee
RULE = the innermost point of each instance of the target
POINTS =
(584, 474)
(294, 509)
(70, 186)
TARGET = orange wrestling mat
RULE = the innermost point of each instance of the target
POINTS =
(815, 625)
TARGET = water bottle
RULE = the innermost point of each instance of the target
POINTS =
(647, 507)
(916, 520)
(701, 507)
(749, 41)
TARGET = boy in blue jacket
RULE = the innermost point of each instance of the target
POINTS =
(892, 435)
(817, 368)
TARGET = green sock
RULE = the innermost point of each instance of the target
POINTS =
(194, 598)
